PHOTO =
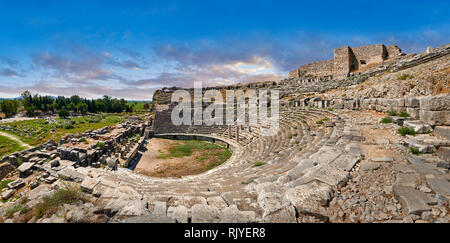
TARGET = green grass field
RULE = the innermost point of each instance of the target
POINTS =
(35, 132)
(209, 151)
(139, 105)
(8, 146)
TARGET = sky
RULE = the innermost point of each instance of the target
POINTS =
(129, 49)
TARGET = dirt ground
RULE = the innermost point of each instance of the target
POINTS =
(150, 165)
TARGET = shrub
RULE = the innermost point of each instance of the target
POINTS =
(65, 195)
(100, 145)
(404, 114)
(68, 125)
(23, 209)
(414, 150)
(386, 120)
(84, 140)
(5, 183)
(392, 113)
(63, 113)
(405, 76)
(258, 164)
(406, 131)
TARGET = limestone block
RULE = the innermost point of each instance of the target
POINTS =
(435, 118)
(435, 103)
(419, 127)
(412, 102)
(442, 132)
(311, 198)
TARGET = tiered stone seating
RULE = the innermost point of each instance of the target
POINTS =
(267, 179)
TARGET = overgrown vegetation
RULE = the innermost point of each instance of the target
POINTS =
(404, 114)
(100, 145)
(16, 207)
(8, 146)
(4, 183)
(406, 131)
(414, 150)
(65, 195)
(258, 164)
(34, 132)
(386, 120)
(392, 113)
(405, 77)
(321, 121)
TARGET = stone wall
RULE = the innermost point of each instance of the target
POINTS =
(366, 55)
(432, 110)
(347, 59)
(320, 68)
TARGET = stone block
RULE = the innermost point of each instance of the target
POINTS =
(435, 103)
(89, 184)
(435, 118)
(26, 167)
(442, 132)
(418, 126)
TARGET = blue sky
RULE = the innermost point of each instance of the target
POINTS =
(127, 49)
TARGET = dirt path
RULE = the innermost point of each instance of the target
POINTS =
(26, 146)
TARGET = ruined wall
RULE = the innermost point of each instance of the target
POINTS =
(343, 61)
(393, 51)
(347, 59)
(320, 69)
(369, 54)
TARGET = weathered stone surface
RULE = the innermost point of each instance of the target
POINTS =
(283, 215)
(311, 198)
(89, 184)
(435, 103)
(16, 184)
(346, 162)
(179, 213)
(25, 167)
(270, 202)
(414, 202)
(409, 180)
(131, 207)
(232, 214)
(442, 132)
(440, 186)
(71, 174)
(5, 169)
(444, 153)
(368, 166)
(382, 159)
(205, 214)
(404, 168)
(326, 174)
(419, 165)
(435, 118)
(217, 202)
(418, 126)
(8, 193)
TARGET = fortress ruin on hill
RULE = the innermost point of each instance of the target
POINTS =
(346, 60)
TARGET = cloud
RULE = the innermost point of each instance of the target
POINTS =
(7, 72)
(129, 52)
(8, 61)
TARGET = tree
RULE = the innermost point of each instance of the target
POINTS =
(83, 108)
(63, 113)
(9, 107)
